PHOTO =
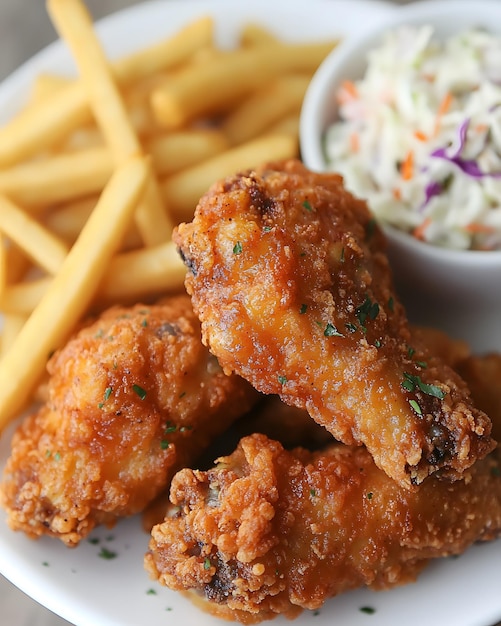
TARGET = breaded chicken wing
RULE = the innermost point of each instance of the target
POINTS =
(268, 532)
(132, 398)
(289, 276)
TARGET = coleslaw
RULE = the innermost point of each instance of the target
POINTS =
(419, 136)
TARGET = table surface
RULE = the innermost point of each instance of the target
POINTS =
(24, 30)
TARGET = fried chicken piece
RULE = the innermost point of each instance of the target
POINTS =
(132, 398)
(289, 276)
(268, 532)
(483, 376)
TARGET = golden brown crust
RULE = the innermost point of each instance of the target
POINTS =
(132, 398)
(268, 531)
(289, 276)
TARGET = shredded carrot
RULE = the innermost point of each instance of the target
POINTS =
(420, 230)
(445, 105)
(480, 128)
(476, 227)
(407, 168)
(354, 142)
(418, 134)
(348, 91)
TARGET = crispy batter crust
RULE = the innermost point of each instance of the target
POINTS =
(267, 531)
(132, 398)
(289, 276)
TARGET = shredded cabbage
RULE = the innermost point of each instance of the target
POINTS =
(419, 136)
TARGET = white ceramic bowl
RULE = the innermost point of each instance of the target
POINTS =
(459, 291)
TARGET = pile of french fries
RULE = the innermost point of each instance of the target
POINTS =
(95, 171)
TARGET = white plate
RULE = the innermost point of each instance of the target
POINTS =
(88, 590)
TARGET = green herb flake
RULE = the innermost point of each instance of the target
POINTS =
(93, 540)
(151, 592)
(391, 304)
(378, 343)
(307, 206)
(370, 610)
(369, 495)
(412, 382)
(45, 563)
(170, 428)
(496, 471)
(206, 563)
(266, 229)
(107, 393)
(332, 331)
(316, 613)
(107, 554)
(414, 404)
(182, 394)
(144, 323)
(302, 309)
(57, 456)
(238, 248)
(367, 310)
(282, 380)
(139, 391)
(341, 257)
(164, 444)
(313, 493)
(48, 454)
(168, 608)
(352, 328)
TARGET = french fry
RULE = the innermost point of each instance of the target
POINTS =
(176, 151)
(202, 89)
(46, 85)
(44, 248)
(253, 34)
(183, 190)
(74, 24)
(38, 184)
(134, 275)
(12, 324)
(18, 263)
(130, 275)
(68, 220)
(22, 298)
(265, 107)
(38, 127)
(3, 264)
(72, 289)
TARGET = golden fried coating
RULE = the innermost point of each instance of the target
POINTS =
(289, 276)
(132, 398)
(268, 532)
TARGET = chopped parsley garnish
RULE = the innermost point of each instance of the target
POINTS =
(170, 428)
(206, 563)
(313, 493)
(57, 456)
(367, 609)
(237, 248)
(307, 206)
(107, 554)
(352, 328)
(151, 592)
(93, 540)
(391, 303)
(266, 229)
(45, 563)
(412, 382)
(378, 343)
(496, 471)
(303, 308)
(107, 393)
(139, 391)
(369, 495)
(164, 444)
(282, 380)
(366, 310)
(341, 257)
(144, 323)
(414, 404)
(332, 331)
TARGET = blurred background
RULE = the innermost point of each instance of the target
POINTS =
(24, 30)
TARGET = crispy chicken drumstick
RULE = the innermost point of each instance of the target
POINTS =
(133, 397)
(289, 276)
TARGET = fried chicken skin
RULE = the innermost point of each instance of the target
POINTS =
(133, 397)
(289, 276)
(269, 531)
